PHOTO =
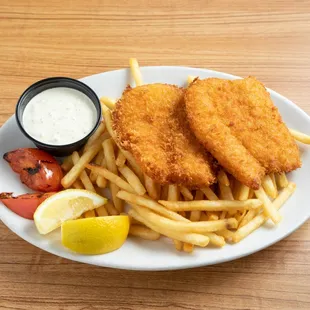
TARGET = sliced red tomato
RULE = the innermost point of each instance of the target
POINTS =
(37, 169)
(24, 205)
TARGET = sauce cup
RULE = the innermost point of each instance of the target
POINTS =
(54, 82)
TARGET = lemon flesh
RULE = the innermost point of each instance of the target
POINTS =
(65, 205)
(93, 236)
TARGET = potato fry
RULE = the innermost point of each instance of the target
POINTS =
(135, 71)
(98, 160)
(188, 248)
(195, 215)
(109, 156)
(67, 164)
(186, 227)
(108, 102)
(164, 192)
(150, 204)
(223, 215)
(215, 239)
(76, 170)
(98, 133)
(299, 136)
(269, 208)
(133, 180)
(248, 217)
(281, 180)
(196, 239)
(223, 178)
(121, 159)
(90, 213)
(226, 234)
(269, 187)
(260, 219)
(151, 188)
(209, 193)
(186, 193)
(143, 232)
(212, 216)
(78, 184)
(111, 209)
(225, 192)
(83, 176)
(190, 79)
(101, 181)
(173, 193)
(242, 192)
(178, 245)
(114, 178)
(101, 211)
(211, 205)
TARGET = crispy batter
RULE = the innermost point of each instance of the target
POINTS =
(239, 125)
(150, 122)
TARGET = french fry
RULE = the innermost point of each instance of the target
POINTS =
(101, 211)
(98, 133)
(225, 192)
(90, 213)
(150, 204)
(114, 178)
(101, 181)
(150, 187)
(135, 71)
(121, 159)
(269, 208)
(76, 170)
(269, 187)
(109, 156)
(67, 164)
(133, 180)
(260, 219)
(188, 248)
(78, 184)
(195, 215)
(223, 215)
(299, 136)
(196, 239)
(212, 216)
(215, 239)
(133, 164)
(190, 79)
(111, 209)
(209, 193)
(186, 227)
(211, 205)
(108, 121)
(173, 193)
(98, 160)
(223, 178)
(242, 192)
(83, 176)
(248, 217)
(186, 193)
(281, 180)
(143, 232)
(178, 245)
(109, 102)
(226, 234)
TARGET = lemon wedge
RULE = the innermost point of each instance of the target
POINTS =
(65, 205)
(97, 235)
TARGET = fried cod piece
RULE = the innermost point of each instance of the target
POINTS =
(239, 125)
(150, 122)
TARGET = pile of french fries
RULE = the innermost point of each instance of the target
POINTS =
(225, 212)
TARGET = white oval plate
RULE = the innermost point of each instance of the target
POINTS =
(138, 254)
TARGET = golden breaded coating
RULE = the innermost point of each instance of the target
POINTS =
(239, 125)
(150, 122)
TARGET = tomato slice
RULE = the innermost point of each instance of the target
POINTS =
(37, 169)
(24, 205)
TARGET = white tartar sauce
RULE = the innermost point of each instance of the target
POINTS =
(59, 116)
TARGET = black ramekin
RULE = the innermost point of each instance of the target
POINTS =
(36, 88)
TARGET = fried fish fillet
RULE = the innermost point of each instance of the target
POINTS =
(150, 122)
(239, 125)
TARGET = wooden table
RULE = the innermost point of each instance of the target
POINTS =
(267, 39)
